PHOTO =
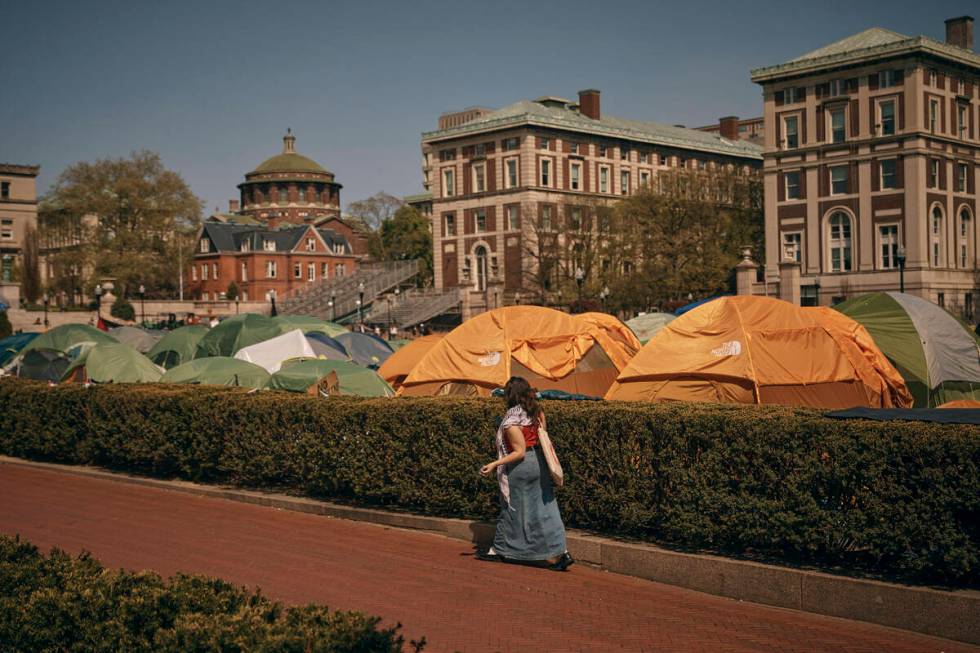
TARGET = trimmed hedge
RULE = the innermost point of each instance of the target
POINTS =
(60, 603)
(900, 499)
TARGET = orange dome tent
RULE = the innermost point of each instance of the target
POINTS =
(400, 364)
(551, 349)
(761, 350)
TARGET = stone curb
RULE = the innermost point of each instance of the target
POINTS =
(949, 614)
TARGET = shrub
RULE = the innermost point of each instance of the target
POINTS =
(898, 498)
(60, 603)
(232, 293)
(5, 327)
(122, 309)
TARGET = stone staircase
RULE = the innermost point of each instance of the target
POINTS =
(377, 278)
(414, 306)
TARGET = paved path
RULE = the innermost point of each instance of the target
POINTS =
(429, 583)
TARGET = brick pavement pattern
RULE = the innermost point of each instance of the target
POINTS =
(429, 583)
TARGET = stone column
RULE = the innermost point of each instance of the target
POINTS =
(745, 273)
(789, 278)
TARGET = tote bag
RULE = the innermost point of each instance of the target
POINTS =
(554, 465)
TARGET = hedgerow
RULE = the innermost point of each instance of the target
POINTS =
(63, 603)
(900, 499)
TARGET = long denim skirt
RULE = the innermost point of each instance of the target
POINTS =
(530, 528)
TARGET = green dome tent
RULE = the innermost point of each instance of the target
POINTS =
(139, 339)
(647, 325)
(178, 346)
(68, 337)
(112, 363)
(218, 370)
(308, 324)
(41, 365)
(298, 376)
(935, 353)
(237, 332)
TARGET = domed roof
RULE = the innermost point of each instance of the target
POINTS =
(289, 160)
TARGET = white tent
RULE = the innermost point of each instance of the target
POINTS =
(270, 354)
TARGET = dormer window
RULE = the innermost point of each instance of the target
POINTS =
(268, 245)
(205, 246)
(311, 244)
(246, 246)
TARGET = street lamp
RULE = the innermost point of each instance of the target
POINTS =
(360, 299)
(579, 279)
(603, 295)
(332, 304)
(142, 304)
(900, 258)
(98, 302)
(359, 310)
(816, 291)
(46, 300)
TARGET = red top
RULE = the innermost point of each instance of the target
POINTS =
(530, 437)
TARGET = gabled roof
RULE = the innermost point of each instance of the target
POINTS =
(562, 116)
(873, 43)
(227, 237)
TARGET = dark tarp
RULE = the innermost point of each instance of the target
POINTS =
(365, 349)
(11, 346)
(43, 365)
(327, 347)
(941, 415)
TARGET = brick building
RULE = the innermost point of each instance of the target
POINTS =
(872, 153)
(735, 129)
(489, 174)
(18, 206)
(288, 187)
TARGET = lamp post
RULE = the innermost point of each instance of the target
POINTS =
(142, 304)
(333, 304)
(579, 280)
(900, 259)
(98, 302)
(46, 300)
(360, 299)
(603, 295)
(816, 291)
(359, 310)
(559, 299)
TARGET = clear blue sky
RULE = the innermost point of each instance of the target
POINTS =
(212, 86)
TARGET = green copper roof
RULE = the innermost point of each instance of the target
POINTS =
(873, 43)
(289, 162)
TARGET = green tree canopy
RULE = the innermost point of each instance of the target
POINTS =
(406, 236)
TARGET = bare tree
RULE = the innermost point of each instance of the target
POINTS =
(375, 210)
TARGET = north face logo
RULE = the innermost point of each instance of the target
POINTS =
(730, 348)
(490, 359)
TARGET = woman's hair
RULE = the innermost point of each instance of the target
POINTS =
(518, 392)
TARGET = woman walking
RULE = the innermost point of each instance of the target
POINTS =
(529, 528)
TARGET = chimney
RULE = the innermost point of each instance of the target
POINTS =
(728, 127)
(959, 32)
(233, 206)
(588, 103)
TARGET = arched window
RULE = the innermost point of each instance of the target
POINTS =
(965, 232)
(839, 242)
(481, 267)
(936, 236)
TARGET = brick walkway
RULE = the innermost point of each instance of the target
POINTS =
(429, 583)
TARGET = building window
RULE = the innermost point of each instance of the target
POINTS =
(791, 128)
(838, 180)
(447, 155)
(244, 295)
(480, 149)
(311, 271)
(792, 246)
(302, 194)
(245, 246)
(624, 153)
(193, 273)
(297, 271)
(961, 120)
(448, 182)
(324, 270)
(836, 88)
(644, 179)
(479, 178)
(663, 160)
(889, 78)
(546, 218)
(932, 78)
(603, 179)
(5, 190)
(575, 218)
(840, 242)
(573, 148)
(624, 182)
(576, 175)
(941, 299)
(886, 117)
(205, 245)
(283, 196)
(887, 167)
(961, 174)
(602, 151)
(7, 229)
(933, 173)
(204, 272)
(964, 237)
(450, 222)
(481, 221)
(544, 143)
(513, 217)
(311, 244)
(511, 165)
(511, 143)
(933, 115)
(546, 172)
(794, 95)
(340, 270)
(837, 123)
(244, 271)
(271, 268)
(214, 271)
(793, 185)
(205, 295)
(937, 235)
(268, 245)
(888, 252)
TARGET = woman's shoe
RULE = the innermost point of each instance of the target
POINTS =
(563, 562)
(490, 557)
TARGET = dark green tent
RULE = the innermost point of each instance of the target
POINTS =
(218, 370)
(69, 339)
(236, 332)
(936, 354)
(178, 346)
(298, 376)
(112, 363)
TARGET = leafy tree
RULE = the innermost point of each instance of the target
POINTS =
(375, 210)
(5, 327)
(122, 309)
(406, 236)
(232, 292)
(144, 218)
